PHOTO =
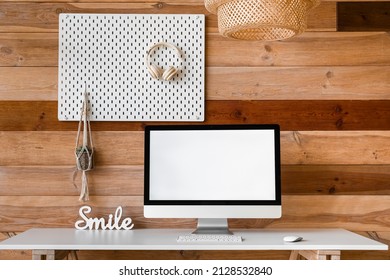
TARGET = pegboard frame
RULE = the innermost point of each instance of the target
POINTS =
(105, 55)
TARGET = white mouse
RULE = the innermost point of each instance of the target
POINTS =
(292, 238)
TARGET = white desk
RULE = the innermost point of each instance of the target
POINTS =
(316, 243)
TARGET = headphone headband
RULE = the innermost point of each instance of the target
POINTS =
(155, 71)
(168, 45)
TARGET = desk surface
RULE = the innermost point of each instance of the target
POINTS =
(165, 239)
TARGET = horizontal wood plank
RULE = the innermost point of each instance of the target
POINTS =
(233, 83)
(356, 213)
(349, 147)
(43, 17)
(184, 255)
(58, 180)
(365, 255)
(126, 148)
(309, 49)
(367, 16)
(57, 148)
(336, 179)
(28, 49)
(128, 180)
(298, 83)
(323, 18)
(290, 114)
(39, 83)
(15, 255)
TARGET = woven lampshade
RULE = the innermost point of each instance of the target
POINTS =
(265, 20)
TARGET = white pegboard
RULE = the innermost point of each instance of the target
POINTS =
(105, 53)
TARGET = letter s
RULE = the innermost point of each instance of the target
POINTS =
(78, 224)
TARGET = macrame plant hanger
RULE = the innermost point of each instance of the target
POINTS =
(84, 152)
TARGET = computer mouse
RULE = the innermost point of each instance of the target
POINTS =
(292, 238)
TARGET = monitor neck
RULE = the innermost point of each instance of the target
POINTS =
(212, 226)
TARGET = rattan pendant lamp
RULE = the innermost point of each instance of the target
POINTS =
(263, 20)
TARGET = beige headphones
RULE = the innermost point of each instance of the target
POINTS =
(157, 72)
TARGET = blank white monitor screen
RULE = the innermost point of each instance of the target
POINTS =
(212, 165)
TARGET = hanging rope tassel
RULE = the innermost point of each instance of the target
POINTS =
(84, 194)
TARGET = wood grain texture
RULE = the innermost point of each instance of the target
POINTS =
(309, 49)
(57, 148)
(184, 255)
(323, 18)
(365, 255)
(29, 83)
(367, 16)
(58, 180)
(28, 49)
(43, 17)
(316, 147)
(233, 83)
(128, 180)
(356, 213)
(126, 148)
(336, 179)
(290, 114)
(286, 83)
(15, 255)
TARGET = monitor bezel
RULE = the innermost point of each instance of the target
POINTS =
(274, 127)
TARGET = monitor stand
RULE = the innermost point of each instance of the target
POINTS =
(212, 226)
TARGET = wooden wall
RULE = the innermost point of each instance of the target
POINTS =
(329, 90)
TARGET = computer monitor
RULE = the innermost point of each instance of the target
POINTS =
(212, 173)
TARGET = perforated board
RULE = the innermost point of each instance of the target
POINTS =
(105, 54)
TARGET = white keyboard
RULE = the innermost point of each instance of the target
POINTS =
(209, 238)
